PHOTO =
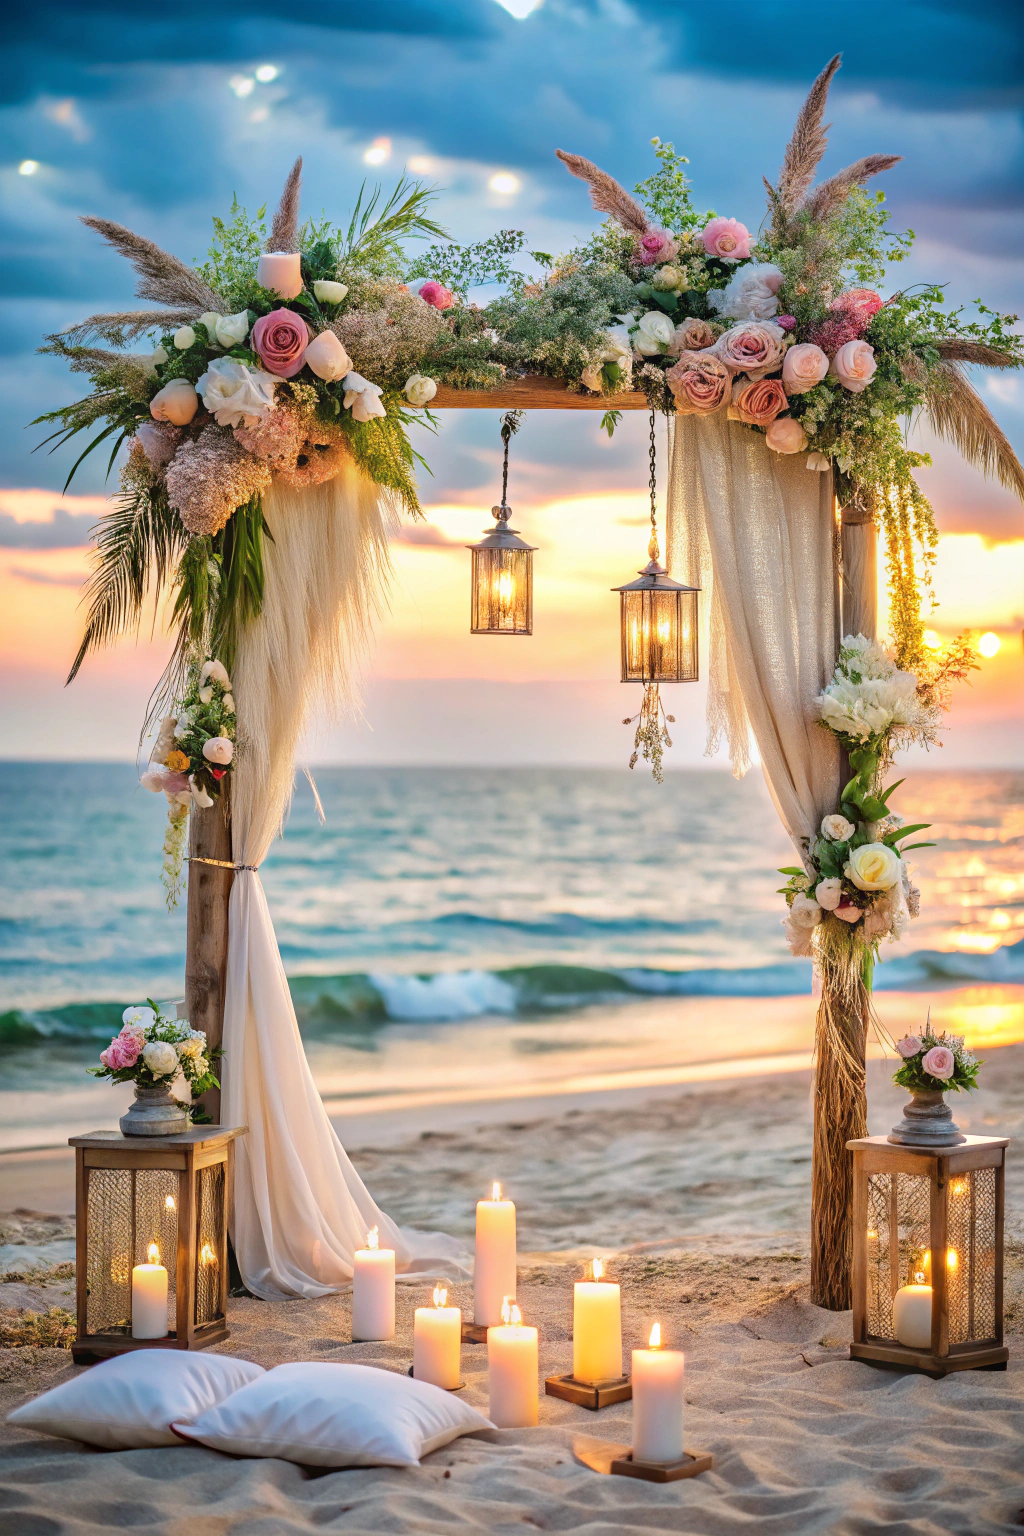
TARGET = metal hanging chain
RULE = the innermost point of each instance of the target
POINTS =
(652, 548)
(509, 427)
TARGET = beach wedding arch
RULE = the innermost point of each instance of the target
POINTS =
(268, 458)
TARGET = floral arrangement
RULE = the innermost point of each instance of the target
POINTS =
(935, 1062)
(855, 886)
(191, 758)
(152, 1049)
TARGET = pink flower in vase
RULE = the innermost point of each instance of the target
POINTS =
(909, 1046)
(939, 1062)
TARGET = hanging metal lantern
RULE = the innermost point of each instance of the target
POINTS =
(502, 593)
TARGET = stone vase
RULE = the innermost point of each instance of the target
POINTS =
(927, 1121)
(154, 1113)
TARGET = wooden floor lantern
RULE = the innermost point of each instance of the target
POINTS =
(928, 1255)
(152, 1240)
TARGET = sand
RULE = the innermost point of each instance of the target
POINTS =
(698, 1196)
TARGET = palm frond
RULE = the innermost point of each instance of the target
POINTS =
(824, 200)
(807, 145)
(125, 327)
(137, 542)
(606, 195)
(376, 229)
(284, 231)
(957, 413)
(162, 277)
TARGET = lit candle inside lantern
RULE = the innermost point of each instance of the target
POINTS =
(149, 1297)
(373, 1291)
(169, 1203)
(596, 1328)
(912, 1313)
(494, 1274)
(208, 1256)
(437, 1342)
(512, 1368)
(281, 272)
(657, 1402)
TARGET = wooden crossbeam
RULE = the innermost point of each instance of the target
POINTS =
(534, 393)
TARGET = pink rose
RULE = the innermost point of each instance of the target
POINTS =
(859, 305)
(280, 340)
(786, 435)
(692, 335)
(939, 1062)
(848, 912)
(753, 347)
(727, 239)
(119, 1053)
(802, 367)
(909, 1046)
(757, 402)
(700, 383)
(788, 322)
(174, 783)
(130, 1048)
(437, 295)
(854, 365)
(657, 245)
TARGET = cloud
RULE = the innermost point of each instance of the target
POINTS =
(62, 530)
(47, 578)
(425, 536)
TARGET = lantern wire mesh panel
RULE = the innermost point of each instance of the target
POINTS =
(208, 1252)
(971, 1274)
(899, 1231)
(128, 1209)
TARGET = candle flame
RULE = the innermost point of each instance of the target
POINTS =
(654, 1342)
(373, 1238)
(597, 1268)
(153, 1253)
(495, 1190)
(510, 1313)
(919, 1277)
(959, 1187)
(952, 1258)
(169, 1203)
(207, 1255)
(440, 1295)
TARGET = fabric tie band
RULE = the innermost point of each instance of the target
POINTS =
(194, 858)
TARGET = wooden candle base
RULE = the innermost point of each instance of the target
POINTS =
(474, 1333)
(606, 1456)
(590, 1394)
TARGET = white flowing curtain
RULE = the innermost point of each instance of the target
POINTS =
(756, 531)
(300, 1208)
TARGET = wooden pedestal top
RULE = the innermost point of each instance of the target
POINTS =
(969, 1144)
(196, 1136)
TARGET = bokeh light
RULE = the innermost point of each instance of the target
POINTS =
(28, 167)
(266, 73)
(242, 85)
(420, 165)
(378, 152)
(932, 639)
(504, 182)
(990, 644)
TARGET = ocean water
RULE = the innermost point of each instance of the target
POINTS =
(459, 905)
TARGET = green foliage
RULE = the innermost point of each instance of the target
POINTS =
(230, 265)
(462, 267)
(382, 449)
(372, 241)
(56, 1328)
(558, 330)
(912, 1075)
(666, 194)
(609, 421)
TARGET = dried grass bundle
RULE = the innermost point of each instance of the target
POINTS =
(162, 277)
(605, 193)
(284, 231)
(957, 412)
(824, 200)
(956, 349)
(122, 328)
(807, 145)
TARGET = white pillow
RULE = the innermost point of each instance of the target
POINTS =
(131, 1400)
(326, 1414)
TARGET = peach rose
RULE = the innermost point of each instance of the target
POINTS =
(939, 1062)
(177, 403)
(753, 347)
(699, 382)
(693, 335)
(757, 401)
(802, 367)
(854, 366)
(786, 435)
(727, 239)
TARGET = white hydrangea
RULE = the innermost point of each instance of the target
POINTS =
(750, 294)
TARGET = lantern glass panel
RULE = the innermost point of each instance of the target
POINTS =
(208, 1244)
(129, 1206)
(502, 592)
(659, 635)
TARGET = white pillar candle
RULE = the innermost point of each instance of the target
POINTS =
(657, 1402)
(373, 1291)
(512, 1369)
(281, 272)
(912, 1316)
(437, 1343)
(149, 1298)
(596, 1328)
(494, 1273)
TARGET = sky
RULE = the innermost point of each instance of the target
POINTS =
(156, 119)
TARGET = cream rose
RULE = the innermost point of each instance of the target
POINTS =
(419, 389)
(177, 403)
(232, 329)
(215, 671)
(184, 337)
(786, 435)
(209, 320)
(874, 867)
(837, 829)
(854, 365)
(328, 292)
(750, 294)
(326, 356)
(218, 750)
(654, 333)
(693, 335)
(829, 893)
(362, 398)
(235, 395)
(802, 367)
(161, 1058)
(804, 912)
(667, 279)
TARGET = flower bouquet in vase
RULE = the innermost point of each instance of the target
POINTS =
(151, 1051)
(932, 1065)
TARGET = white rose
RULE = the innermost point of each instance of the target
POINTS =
(228, 703)
(232, 329)
(209, 319)
(153, 779)
(419, 389)
(874, 867)
(160, 1058)
(362, 397)
(184, 338)
(329, 293)
(237, 396)
(138, 1018)
(215, 671)
(799, 939)
(654, 333)
(750, 293)
(829, 893)
(183, 726)
(818, 462)
(177, 403)
(327, 358)
(218, 750)
(199, 795)
(804, 912)
(667, 279)
(837, 829)
(206, 695)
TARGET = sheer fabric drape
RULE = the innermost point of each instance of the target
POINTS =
(300, 1208)
(756, 531)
